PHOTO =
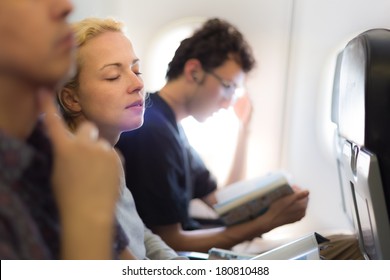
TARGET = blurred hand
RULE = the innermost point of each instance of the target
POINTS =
(288, 209)
(86, 170)
(85, 181)
(243, 109)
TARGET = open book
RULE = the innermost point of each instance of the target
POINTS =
(246, 200)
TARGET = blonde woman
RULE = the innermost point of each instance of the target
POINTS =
(108, 90)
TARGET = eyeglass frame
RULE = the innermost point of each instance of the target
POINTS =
(229, 86)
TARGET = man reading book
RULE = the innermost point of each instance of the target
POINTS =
(162, 170)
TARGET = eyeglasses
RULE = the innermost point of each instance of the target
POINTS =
(228, 86)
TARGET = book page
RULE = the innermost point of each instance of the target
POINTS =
(243, 188)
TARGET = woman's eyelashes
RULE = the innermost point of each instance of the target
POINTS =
(136, 70)
(112, 78)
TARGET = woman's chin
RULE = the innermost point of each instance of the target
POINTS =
(133, 125)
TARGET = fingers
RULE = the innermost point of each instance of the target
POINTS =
(54, 124)
(88, 131)
(105, 145)
(296, 188)
(293, 199)
(243, 109)
(302, 194)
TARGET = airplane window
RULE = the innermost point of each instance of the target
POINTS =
(215, 140)
(161, 50)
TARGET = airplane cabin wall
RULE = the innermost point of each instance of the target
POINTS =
(320, 30)
(295, 44)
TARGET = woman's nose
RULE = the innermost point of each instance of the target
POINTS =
(136, 83)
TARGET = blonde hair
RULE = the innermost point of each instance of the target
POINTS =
(84, 31)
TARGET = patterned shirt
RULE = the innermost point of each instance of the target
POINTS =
(29, 222)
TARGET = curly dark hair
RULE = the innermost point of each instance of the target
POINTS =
(212, 45)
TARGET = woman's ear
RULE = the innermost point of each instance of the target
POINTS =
(69, 100)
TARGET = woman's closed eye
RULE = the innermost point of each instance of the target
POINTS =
(112, 78)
